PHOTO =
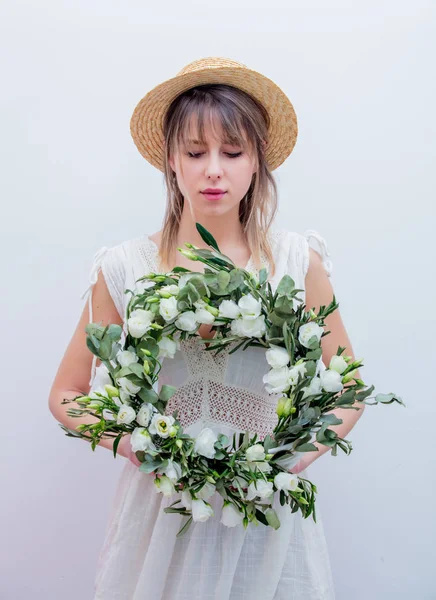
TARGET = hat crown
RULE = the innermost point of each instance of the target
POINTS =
(211, 62)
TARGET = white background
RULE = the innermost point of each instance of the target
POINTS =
(361, 78)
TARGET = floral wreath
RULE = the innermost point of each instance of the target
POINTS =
(246, 471)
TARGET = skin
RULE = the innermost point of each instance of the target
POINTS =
(213, 166)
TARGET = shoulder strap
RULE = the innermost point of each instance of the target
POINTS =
(322, 250)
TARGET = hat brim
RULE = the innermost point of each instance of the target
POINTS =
(146, 124)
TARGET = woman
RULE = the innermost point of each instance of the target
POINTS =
(216, 130)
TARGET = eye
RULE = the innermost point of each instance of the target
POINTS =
(229, 154)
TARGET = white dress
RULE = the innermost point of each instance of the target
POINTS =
(141, 558)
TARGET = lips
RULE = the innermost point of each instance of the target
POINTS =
(213, 195)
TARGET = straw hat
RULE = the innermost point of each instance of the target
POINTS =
(146, 125)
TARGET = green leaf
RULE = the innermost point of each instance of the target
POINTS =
(148, 395)
(261, 517)
(388, 398)
(206, 236)
(185, 527)
(286, 285)
(263, 275)
(347, 397)
(268, 443)
(223, 279)
(115, 444)
(330, 419)
(148, 466)
(166, 392)
(306, 448)
(137, 369)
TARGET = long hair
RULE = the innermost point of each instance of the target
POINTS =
(244, 122)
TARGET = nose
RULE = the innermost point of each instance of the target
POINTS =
(213, 167)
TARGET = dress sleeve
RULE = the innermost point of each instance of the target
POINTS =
(110, 261)
(309, 236)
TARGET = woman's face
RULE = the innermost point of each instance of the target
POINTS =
(213, 165)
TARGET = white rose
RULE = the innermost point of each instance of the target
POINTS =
(168, 308)
(250, 307)
(139, 322)
(202, 315)
(287, 461)
(160, 425)
(186, 499)
(123, 399)
(244, 327)
(320, 366)
(200, 303)
(260, 488)
(204, 443)
(108, 415)
(230, 515)
(206, 491)
(263, 466)
(101, 379)
(313, 388)
(141, 286)
(338, 363)
(277, 357)
(286, 481)
(126, 358)
(164, 485)
(331, 381)
(277, 380)
(201, 510)
(295, 371)
(173, 471)
(127, 386)
(186, 321)
(170, 289)
(145, 413)
(141, 440)
(308, 330)
(168, 347)
(255, 452)
(242, 482)
(126, 415)
(229, 309)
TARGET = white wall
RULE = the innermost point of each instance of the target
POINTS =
(361, 77)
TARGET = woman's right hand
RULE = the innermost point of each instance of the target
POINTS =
(125, 449)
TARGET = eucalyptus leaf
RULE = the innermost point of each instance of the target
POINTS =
(286, 285)
(166, 392)
(148, 395)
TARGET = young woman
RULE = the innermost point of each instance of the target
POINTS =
(217, 131)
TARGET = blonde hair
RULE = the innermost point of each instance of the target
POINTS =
(244, 122)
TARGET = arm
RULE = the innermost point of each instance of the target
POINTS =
(72, 377)
(319, 292)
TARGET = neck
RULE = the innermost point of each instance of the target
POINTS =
(226, 229)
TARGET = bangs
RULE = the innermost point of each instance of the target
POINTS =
(225, 123)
